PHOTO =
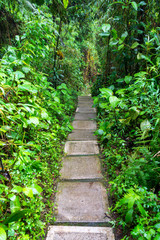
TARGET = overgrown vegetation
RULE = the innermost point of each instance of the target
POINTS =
(49, 50)
(38, 98)
(127, 98)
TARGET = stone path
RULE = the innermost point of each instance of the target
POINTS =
(81, 198)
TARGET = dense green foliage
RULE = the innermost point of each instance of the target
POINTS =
(129, 112)
(38, 98)
(49, 50)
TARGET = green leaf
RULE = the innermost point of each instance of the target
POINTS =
(134, 45)
(123, 36)
(145, 125)
(3, 235)
(114, 101)
(105, 34)
(108, 136)
(18, 75)
(135, 6)
(106, 27)
(36, 189)
(28, 192)
(15, 204)
(17, 189)
(128, 217)
(26, 69)
(157, 225)
(33, 120)
(106, 92)
(157, 237)
(120, 47)
(16, 216)
(127, 79)
(113, 42)
(141, 56)
(134, 112)
(27, 86)
(141, 209)
(114, 33)
(65, 3)
(100, 132)
(44, 114)
(103, 105)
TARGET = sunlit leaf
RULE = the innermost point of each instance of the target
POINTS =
(134, 112)
(65, 3)
(100, 132)
(135, 6)
(106, 92)
(36, 189)
(114, 101)
(3, 235)
(28, 192)
(106, 27)
(127, 79)
(44, 114)
(134, 45)
(18, 75)
(124, 35)
(113, 42)
(33, 120)
(15, 204)
(103, 105)
(26, 69)
(120, 47)
(145, 125)
(17, 189)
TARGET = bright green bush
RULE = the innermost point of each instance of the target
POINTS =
(35, 120)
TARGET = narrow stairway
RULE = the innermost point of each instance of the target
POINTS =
(81, 197)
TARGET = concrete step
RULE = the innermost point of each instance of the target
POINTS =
(85, 116)
(81, 167)
(84, 98)
(81, 147)
(78, 135)
(81, 202)
(85, 105)
(79, 233)
(84, 125)
(85, 110)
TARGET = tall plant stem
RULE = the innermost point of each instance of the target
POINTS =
(57, 44)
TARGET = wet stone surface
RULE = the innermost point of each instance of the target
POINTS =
(81, 198)
(79, 233)
(81, 167)
(85, 116)
(85, 110)
(81, 202)
(81, 147)
(79, 135)
(84, 125)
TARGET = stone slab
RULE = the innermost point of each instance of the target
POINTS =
(81, 167)
(79, 233)
(84, 125)
(85, 110)
(85, 98)
(81, 202)
(81, 147)
(82, 135)
(85, 116)
(86, 104)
